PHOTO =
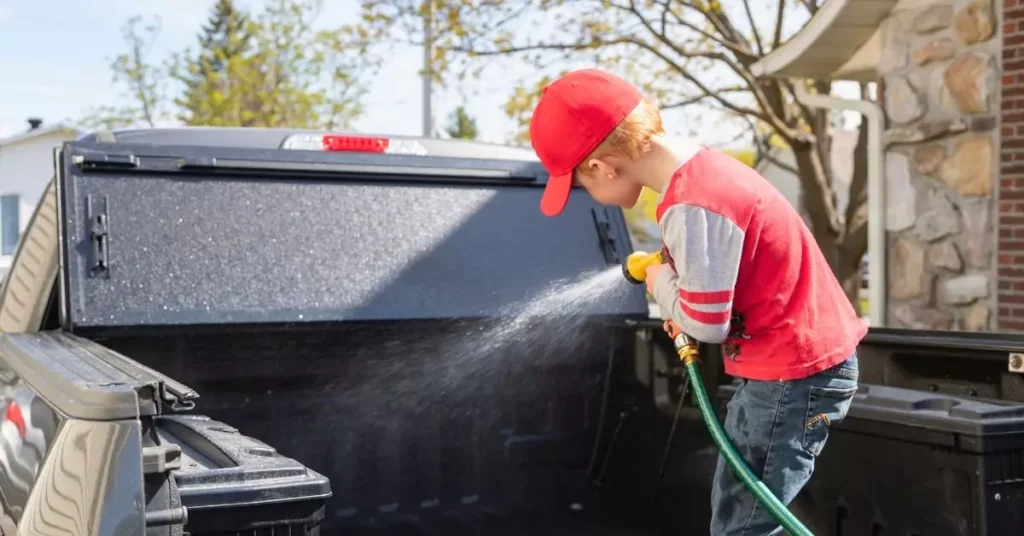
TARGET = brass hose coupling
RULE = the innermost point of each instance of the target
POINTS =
(686, 349)
(686, 346)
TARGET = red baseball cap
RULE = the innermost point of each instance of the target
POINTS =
(574, 115)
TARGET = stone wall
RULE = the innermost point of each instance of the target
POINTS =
(940, 77)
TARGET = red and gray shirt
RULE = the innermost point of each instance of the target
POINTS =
(749, 274)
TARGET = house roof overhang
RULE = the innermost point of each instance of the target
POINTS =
(39, 132)
(842, 41)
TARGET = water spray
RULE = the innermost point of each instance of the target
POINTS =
(635, 271)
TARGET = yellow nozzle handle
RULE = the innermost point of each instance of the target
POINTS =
(635, 267)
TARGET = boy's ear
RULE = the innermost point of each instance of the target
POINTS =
(601, 169)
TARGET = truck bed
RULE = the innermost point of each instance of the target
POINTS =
(506, 450)
(496, 523)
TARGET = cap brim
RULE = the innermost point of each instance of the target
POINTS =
(556, 194)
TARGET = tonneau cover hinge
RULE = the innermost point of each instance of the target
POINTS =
(604, 234)
(103, 160)
(99, 231)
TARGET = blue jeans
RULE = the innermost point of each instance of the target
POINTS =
(779, 428)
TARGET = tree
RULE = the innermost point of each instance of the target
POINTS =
(274, 69)
(144, 82)
(461, 125)
(690, 53)
(211, 76)
(227, 34)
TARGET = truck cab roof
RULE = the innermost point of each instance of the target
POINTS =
(279, 138)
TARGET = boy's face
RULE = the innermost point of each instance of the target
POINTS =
(607, 183)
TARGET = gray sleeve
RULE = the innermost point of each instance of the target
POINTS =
(706, 248)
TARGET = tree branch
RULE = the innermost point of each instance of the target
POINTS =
(743, 52)
(806, 114)
(776, 116)
(764, 151)
(738, 49)
(664, 18)
(549, 46)
(716, 22)
(740, 71)
(708, 93)
(737, 137)
(738, 66)
(766, 112)
(792, 111)
(767, 155)
(663, 38)
(854, 241)
(777, 39)
(811, 5)
(819, 199)
(698, 98)
(700, 85)
(721, 21)
(753, 27)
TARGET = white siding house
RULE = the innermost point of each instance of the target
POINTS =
(26, 165)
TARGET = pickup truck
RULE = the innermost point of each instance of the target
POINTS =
(337, 301)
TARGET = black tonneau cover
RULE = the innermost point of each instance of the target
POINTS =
(187, 235)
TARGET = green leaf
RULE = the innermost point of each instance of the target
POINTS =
(461, 125)
(274, 68)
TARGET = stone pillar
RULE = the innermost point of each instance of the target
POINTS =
(1011, 182)
(940, 65)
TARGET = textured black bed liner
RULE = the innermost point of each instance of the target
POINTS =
(485, 522)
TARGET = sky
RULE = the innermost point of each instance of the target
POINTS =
(65, 74)
(56, 66)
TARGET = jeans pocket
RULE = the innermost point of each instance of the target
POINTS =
(847, 370)
(825, 406)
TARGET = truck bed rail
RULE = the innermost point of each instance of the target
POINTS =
(84, 380)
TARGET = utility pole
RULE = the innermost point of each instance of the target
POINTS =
(428, 72)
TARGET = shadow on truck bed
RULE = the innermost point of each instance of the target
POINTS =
(413, 444)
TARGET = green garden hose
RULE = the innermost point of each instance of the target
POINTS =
(761, 492)
(635, 270)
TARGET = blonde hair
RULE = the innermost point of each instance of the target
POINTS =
(632, 138)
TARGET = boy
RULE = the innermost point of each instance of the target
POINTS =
(743, 271)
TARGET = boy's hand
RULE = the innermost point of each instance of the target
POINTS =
(652, 275)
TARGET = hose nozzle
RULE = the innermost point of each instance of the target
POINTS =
(635, 267)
